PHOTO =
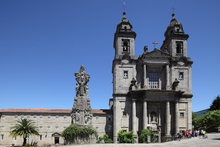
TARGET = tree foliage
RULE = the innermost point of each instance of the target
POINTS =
(215, 104)
(74, 132)
(24, 128)
(144, 136)
(125, 137)
(209, 121)
(105, 138)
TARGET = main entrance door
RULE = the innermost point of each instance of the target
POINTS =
(56, 140)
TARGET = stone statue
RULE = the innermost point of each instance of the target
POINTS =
(82, 79)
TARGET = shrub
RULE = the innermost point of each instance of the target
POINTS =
(105, 138)
(74, 132)
(144, 135)
(125, 137)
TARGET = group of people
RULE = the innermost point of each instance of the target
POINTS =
(188, 134)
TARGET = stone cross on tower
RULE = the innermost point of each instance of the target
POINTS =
(155, 44)
(81, 111)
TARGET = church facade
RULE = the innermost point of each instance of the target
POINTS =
(153, 91)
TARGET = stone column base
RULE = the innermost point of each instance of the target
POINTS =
(135, 138)
(168, 138)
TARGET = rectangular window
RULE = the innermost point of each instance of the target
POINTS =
(125, 74)
(181, 114)
(153, 80)
(181, 75)
(124, 113)
(2, 136)
(126, 45)
(40, 137)
(179, 48)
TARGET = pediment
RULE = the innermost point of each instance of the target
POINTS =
(156, 54)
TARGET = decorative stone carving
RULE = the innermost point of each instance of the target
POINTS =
(82, 79)
(81, 111)
(175, 84)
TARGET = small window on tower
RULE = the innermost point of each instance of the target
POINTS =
(124, 113)
(125, 74)
(181, 114)
(177, 29)
(126, 45)
(181, 75)
(179, 48)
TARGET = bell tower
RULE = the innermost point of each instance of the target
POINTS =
(175, 42)
(124, 39)
(123, 70)
(124, 66)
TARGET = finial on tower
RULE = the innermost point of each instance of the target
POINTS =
(173, 14)
(124, 14)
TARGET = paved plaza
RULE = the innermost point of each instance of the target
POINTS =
(213, 140)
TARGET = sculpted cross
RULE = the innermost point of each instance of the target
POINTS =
(155, 44)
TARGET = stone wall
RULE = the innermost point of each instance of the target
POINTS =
(50, 126)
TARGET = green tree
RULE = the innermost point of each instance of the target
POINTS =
(211, 120)
(24, 128)
(125, 137)
(215, 104)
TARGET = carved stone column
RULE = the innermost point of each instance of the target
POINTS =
(177, 117)
(145, 118)
(168, 122)
(134, 117)
(145, 76)
(168, 87)
(81, 111)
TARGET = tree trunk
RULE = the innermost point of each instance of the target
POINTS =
(25, 141)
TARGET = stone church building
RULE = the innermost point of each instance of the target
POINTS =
(153, 91)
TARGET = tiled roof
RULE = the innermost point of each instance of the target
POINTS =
(44, 110)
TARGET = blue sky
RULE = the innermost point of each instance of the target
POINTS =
(44, 42)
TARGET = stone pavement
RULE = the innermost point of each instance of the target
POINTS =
(213, 140)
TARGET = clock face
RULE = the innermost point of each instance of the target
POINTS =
(125, 61)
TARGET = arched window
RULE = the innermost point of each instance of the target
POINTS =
(179, 48)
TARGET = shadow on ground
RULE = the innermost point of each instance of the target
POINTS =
(215, 138)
